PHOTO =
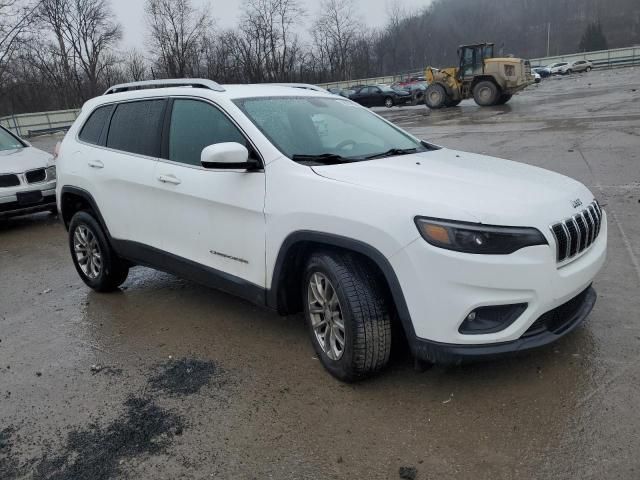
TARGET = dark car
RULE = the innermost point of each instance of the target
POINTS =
(544, 72)
(379, 96)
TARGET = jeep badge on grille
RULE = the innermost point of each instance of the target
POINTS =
(576, 203)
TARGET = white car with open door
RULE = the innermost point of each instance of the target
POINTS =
(304, 201)
(27, 177)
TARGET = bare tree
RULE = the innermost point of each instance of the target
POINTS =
(177, 30)
(15, 18)
(83, 34)
(335, 33)
(135, 66)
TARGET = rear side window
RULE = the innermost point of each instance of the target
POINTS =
(92, 129)
(136, 127)
(195, 125)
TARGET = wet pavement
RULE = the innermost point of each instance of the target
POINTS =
(168, 379)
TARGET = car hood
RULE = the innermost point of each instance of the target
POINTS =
(474, 187)
(20, 160)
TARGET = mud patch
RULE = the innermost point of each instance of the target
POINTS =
(8, 464)
(99, 452)
(185, 376)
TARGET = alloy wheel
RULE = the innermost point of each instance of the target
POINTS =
(87, 252)
(326, 316)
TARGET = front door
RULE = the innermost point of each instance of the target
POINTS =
(214, 218)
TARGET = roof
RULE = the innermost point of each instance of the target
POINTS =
(198, 88)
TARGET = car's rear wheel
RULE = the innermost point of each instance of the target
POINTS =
(95, 261)
(588, 69)
(485, 93)
(347, 315)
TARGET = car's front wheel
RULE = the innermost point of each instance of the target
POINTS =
(95, 261)
(388, 102)
(347, 315)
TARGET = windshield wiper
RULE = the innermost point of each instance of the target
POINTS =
(328, 158)
(391, 152)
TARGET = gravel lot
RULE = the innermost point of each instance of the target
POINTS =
(168, 379)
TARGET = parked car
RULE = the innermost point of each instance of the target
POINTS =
(560, 68)
(544, 72)
(416, 90)
(305, 202)
(27, 177)
(581, 66)
(536, 77)
(380, 95)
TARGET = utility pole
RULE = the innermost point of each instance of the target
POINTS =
(548, 36)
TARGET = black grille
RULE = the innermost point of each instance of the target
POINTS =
(9, 180)
(35, 176)
(573, 235)
(559, 318)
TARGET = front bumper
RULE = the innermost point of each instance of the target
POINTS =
(547, 329)
(441, 288)
(11, 205)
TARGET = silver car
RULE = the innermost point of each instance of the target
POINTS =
(581, 66)
(27, 177)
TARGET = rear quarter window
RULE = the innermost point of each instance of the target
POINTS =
(95, 124)
(136, 127)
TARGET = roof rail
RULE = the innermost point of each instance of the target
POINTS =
(169, 82)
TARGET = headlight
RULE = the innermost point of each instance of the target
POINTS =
(51, 173)
(476, 237)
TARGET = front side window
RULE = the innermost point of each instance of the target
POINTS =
(8, 141)
(136, 127)
(308, 126)
(196, 125)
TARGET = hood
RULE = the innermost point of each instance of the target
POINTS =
(483, 189)
(22, 159)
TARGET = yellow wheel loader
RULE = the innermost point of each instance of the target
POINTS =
(489, 80)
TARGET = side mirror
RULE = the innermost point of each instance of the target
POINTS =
(227, 155)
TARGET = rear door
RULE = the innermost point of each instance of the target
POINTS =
(214, 218)
(121, 163)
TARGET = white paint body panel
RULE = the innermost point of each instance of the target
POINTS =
(248, 215)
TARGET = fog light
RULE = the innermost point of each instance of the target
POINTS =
(491, 319)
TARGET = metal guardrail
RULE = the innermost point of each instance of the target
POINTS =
(618, 57)
(31, 124)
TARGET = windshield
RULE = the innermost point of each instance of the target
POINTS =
(313, 127)
(8, 141)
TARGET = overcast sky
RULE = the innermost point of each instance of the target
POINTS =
(130, 13)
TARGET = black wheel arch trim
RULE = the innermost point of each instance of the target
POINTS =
(92, 203)
(347, 243)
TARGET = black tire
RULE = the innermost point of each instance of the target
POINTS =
(504, 98)
(388, 102)
(568, 72)
(486, 93)
(364, 311)
(588, 69)
(112, 271)
(435, 96)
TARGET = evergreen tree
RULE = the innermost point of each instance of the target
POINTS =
(593, 38)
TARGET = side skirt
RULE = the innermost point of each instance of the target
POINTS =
(141, 254)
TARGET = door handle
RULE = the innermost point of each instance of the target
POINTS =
(95, 164)
(169, 179)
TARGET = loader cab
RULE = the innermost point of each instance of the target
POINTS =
(472, 59)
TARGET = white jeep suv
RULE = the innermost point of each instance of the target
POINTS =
(303, 201)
